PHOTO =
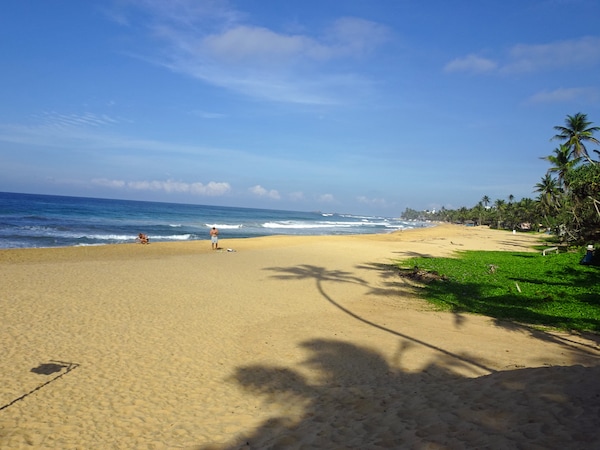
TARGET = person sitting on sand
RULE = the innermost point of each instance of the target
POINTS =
(142, 238)
(214, 238)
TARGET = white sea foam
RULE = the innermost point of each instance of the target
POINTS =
(224, 226)
(109, 237)
(175, 237)
(123, 237)
(309, 225)
(53, 233)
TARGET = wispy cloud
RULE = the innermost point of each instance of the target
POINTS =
(53, 119)
(584, 95)
(575, 53)
(523, 58)
(69, 131)
(213, 42)
(208, 115)
(210, 189)
(471, 64)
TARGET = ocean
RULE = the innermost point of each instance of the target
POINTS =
(29, 221)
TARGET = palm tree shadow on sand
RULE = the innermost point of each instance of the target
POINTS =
(355, 400)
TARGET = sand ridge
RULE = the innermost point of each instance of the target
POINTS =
(287, 342)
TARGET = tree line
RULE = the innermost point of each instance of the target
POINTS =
(568, 201)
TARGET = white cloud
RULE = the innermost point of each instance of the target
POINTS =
(209, 115)
(260, 191)
(566, 95)
(211, 189)
(212, 42)
(326, 198)
(471, 63)
(257, 45)
(261, 47)
(573, 53)
(117, 184)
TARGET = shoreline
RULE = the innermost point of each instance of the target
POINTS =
(201, 246)
(183, 247)
(72, 221)
(186, 241)
(288, 341)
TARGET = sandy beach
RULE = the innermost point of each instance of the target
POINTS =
(285, 342)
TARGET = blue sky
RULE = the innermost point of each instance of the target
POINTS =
(332, 105)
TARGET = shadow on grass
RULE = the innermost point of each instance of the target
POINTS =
(470, 298)
(552, 291)
(510, 311)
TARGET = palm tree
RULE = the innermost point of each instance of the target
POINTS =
(463, 214)
(499, 204)
(485, 201)
(550, 192)
(478, 209)
(561, 162)
(526, 212)
(577, 132)
(549, 198)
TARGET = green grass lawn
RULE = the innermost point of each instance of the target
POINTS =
(553, 290)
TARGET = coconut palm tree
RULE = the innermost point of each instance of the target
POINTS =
(562, 163)
(485, 201)
(500, 206)
(526, 211)
(577, 132)
(550, 192)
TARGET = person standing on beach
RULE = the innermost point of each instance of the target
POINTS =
(214, 238)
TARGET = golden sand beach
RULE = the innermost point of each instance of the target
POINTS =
(286, 342)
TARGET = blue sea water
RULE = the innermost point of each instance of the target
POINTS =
(28, 220)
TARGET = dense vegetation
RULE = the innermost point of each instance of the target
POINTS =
(568, 203)
(553, 290)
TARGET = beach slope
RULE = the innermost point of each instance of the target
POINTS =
(283, 342)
